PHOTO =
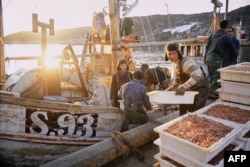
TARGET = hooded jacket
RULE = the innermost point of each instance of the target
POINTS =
(118, 79)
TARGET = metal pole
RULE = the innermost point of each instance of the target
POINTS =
(44, 48)
(225, 14)
(169, 23)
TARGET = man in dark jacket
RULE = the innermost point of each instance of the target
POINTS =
(220, 49)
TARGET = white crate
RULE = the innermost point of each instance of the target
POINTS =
(169, 97)
(235, 87)
(244, 64)
(233, 75)
(244, 127)
(194, 151)
(246, 143)
(182, 158)
(232, 97)
(163, 163)
(244, 140)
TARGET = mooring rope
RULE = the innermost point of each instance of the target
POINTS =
(125, 141)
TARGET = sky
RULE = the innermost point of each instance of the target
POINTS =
(17, 14)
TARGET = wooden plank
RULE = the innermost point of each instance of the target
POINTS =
(57, 106)
(106, 151)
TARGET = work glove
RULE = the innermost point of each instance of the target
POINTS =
(180, 90)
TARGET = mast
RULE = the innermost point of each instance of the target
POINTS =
(114, 13)
(2, 65)
(169, 23)
(44, 26)
(217, 5)
(226, 11)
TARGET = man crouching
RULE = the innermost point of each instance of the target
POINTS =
(135, 99)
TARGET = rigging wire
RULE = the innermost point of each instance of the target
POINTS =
(151, 31)
(144, 31)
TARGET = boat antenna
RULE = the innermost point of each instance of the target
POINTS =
(169, 22)
(126, 8)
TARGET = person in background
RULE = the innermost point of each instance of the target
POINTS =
(188, 76)
(135, 99)
(149, 78)
(220, 49)
(120, 77)
(231, 33)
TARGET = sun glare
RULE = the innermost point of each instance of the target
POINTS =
(51, 62)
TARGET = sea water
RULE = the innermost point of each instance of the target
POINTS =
(153, 59)
(33, 51)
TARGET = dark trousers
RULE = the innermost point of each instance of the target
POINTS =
(213, 64)
(199, 100)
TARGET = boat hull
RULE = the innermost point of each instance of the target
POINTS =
(40, 130)
(25, 153)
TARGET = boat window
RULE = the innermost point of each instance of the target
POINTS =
(189, 50)
(98, 48)
(198, 50)
(183, 50)
(87, 48)
(107, 49)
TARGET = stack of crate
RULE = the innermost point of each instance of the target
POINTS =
(177, 152)
(235, 83)
(235, 88)
(235, 92)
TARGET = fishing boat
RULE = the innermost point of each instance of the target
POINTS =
(47, 113)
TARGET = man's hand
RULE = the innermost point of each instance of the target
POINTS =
(180, 90)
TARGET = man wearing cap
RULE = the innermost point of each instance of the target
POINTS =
(120, 77)
(135, 101)
(188, 76)
(219, 53)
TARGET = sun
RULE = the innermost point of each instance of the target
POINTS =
(51, 62)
